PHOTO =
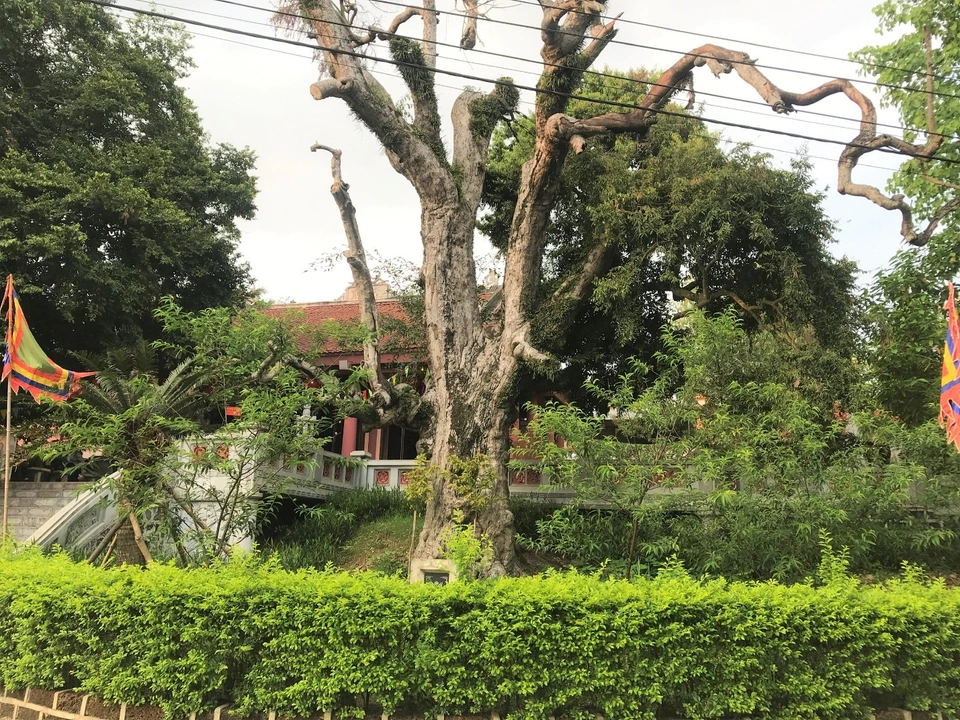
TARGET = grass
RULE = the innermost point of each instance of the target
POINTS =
(382, 545)
(354, 530)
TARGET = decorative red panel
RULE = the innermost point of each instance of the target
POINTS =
(326, 469)
(349, 475)
(383, 477)
(404, 477)
(525, 477)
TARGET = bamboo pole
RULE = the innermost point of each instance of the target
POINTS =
(138, 538)
(107, 539)
(106, 555)
(8, 300)
(6, 460)
(413, 543)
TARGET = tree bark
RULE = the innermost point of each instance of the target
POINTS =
(127, 548)
(474, 360)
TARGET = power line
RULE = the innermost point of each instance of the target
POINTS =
(672, 51)
(791, 118)
(597, 73)
(801, 154)
(307, 57)
(477, 78)
(752, 146)
(792, 51)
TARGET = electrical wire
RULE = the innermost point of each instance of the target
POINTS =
(672, 51)
(283, 13)
(753, 146)
(466, 76)
(853, 124)
(801, 154)
(777, 48)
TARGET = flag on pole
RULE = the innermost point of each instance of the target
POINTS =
(25, 365)
(950, 377)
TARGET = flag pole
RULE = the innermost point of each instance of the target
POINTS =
(6, 463)
(6, 443)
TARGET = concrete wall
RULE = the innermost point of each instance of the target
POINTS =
(33, 503)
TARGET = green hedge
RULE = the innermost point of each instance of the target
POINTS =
(564, 644)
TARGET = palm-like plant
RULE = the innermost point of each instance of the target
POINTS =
(130, 418)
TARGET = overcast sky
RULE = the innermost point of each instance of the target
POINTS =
(258, 97)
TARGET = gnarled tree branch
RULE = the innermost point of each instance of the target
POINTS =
(721, 61)
(357, 259)
(417, 155)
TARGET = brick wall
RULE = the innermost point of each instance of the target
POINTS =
(33, 503)
(45, 705)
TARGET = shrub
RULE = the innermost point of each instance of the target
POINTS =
(266, 639)
(750, 536)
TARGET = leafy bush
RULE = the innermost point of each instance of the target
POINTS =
(562, 645)
(751, 536)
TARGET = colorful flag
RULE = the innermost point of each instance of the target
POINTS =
(25, 365)
(950, 378)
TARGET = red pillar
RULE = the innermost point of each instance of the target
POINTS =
(349, 436)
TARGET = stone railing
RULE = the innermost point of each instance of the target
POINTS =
(81, 523)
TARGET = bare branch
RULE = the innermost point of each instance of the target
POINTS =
(722, 61)
(523, 349)
(413, 152)
(357, 259)
(375, 32)
(307, 368)
(941, 183)
(430, 22)
(602, 35)
(268, 368)
(329, 87)
(564, 22)
(575, 288)
(468, 38)
(475, 116)
(948, 207)
(400, 19)
(564, 31)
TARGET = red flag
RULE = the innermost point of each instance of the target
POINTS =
(25, 363)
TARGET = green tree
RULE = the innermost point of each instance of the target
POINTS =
(200, 483)
(919, 72)
(674, 219)
(748, 418)
(110, 195)
(906, 327)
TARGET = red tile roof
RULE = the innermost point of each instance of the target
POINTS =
(346, 313)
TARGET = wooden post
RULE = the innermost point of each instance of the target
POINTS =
(633, 543)
(138, 538)
(413, 543)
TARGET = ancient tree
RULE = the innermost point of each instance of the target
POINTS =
(477, 346)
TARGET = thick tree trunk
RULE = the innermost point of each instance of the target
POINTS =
(127, 550)
(477, 426)
(472, 405)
